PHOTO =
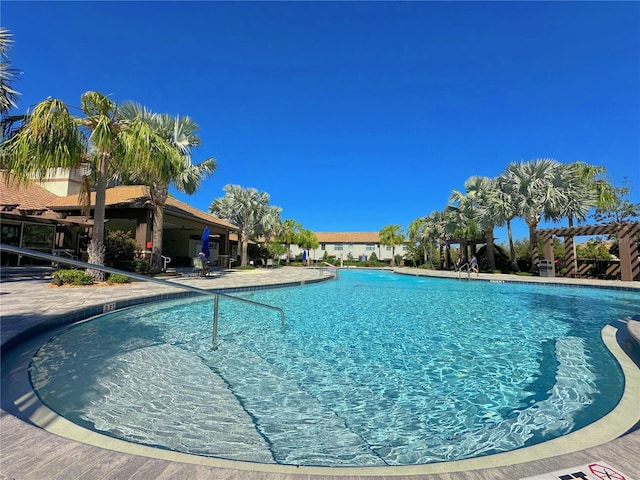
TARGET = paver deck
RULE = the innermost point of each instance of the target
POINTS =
(30, 452)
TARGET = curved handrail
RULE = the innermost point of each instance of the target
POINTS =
(77, 263)
(331, 266)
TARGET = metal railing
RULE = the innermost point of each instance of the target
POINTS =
(330, 267)
(142, 278)
(459, 270)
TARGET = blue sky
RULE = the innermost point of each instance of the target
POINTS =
(354, 115)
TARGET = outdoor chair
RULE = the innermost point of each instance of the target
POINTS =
(200, 267)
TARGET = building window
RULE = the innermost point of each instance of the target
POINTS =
(338, 246)
(388, 248)
(370, 247)
(323, 246)
(350, 246)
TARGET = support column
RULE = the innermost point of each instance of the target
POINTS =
(548, 252)
(629, 262)
(570, 260)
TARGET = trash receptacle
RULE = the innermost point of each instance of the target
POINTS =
(546, 268)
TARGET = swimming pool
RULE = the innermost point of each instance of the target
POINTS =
(375, 369)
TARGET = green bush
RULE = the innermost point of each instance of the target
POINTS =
(141, 266)
(118, 278)
(71, 277)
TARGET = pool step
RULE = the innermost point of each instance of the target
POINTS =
(321, 436)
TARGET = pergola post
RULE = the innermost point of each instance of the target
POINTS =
(570, 259)
(629, 262)
(548, 251)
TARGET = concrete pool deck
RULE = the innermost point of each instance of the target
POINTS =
(28, 451)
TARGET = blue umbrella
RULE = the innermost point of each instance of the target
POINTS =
(205, 242)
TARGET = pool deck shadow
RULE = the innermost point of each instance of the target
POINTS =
(28, 451)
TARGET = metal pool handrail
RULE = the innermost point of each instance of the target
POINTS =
(330, 266)
(77, 263)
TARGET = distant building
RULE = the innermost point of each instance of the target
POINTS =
(342, 244)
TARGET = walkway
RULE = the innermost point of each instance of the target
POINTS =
(29, 452)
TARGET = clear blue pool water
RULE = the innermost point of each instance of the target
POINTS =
(373, 369)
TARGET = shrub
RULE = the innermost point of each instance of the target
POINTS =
(373, 257)
(71, 277)
(119, 248)
(118, 278)
(140, 266)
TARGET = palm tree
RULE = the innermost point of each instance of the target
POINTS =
(271, 224)
(506, 210)
(592, 176)
(289, 234)
(53, 138)
(419, 234)
(391, 235)
(308, 241)
(8, 96)
(426, 231)
(182, 174)
(533, 187)
(479, 203)
(245, 208)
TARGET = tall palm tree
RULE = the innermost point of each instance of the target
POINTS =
(8, 96)
(391, 235)
(52, 137)
(289, 234)
(506, 210)
(181, 132)
(458, 222)
(479, 203)
(533, 187)
(244, 208)
(426, 231)
(271, 224)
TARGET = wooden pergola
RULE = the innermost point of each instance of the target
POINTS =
(466, 244)
(626, 233)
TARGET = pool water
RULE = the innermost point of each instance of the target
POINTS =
(372, 369)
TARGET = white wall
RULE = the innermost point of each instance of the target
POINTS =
(356, 249)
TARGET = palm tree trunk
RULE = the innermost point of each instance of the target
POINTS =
(96, 246)
(491, 258)
(245, 246)
(533, 241)
(288, 253)
(512, 249)
(159, 196)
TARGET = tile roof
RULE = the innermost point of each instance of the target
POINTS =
(132, 194)
(27, 196)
